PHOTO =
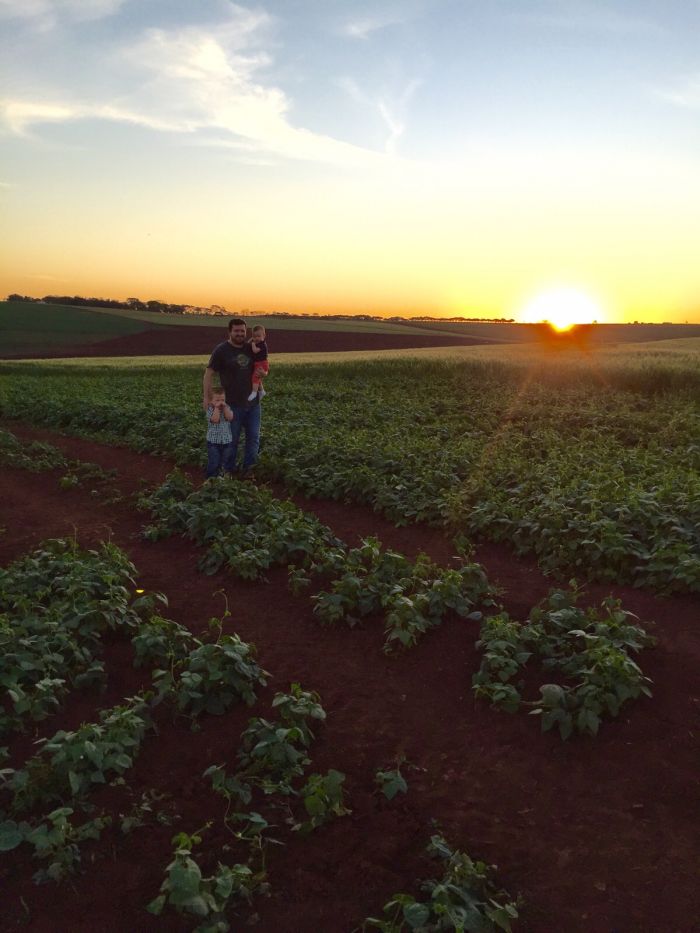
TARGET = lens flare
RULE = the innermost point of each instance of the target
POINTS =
(562, 308)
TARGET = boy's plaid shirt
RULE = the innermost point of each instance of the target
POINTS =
(218, 433)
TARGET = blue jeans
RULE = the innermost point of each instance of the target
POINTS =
(219, 455)
(247, 419)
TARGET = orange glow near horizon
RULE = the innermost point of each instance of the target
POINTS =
(562, 308)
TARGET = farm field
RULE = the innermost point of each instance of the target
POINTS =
(52, 330)
(681, 353)
(27, 328)
(601, 335)
(590, 463)
(512, 475)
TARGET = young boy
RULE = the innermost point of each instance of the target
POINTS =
(261, 367)
(219, 438)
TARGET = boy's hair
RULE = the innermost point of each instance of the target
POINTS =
(235, 321)
(259, 328)
(216, 390)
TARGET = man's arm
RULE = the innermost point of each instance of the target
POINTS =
(228, 413)
(206, 387)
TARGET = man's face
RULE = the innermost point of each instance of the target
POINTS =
(237, 335)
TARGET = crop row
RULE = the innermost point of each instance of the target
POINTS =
(55, 606)
(594, 471)
(41, 457)
(47, 804)
(59, 590)
(587, 650)
(250, 534)
(253, 532)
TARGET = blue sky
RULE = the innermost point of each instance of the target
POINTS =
(504, 127)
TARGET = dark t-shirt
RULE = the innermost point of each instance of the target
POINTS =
(235, 368)
(261, 355)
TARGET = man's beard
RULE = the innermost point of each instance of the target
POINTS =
(238, 341)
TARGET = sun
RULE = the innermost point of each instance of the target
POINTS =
(562, 308)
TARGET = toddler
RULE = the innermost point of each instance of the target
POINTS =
(219, 437)
(261, 367)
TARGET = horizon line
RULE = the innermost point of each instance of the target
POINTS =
(206, 311)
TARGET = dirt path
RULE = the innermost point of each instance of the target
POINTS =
(595, 835)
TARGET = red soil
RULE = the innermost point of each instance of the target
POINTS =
(181, 341)
(596, 835)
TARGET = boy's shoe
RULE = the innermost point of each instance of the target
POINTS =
(252, 395)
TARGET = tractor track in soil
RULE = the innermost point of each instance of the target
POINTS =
(596, 835)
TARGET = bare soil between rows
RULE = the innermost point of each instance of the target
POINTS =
(597, 836)
(182, 341)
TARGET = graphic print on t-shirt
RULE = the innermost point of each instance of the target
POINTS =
(235, 367)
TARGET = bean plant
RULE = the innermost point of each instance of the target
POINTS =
(464, 899)
(414, 597)
(56, 840)
(188, 891)
(588, 650)
(69, 763)
(56, 604)
(248, 534)
(591, 465)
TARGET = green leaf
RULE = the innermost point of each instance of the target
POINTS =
(11, 835)
(185, 877)
(157, 904)
(416, 915)
(552, 694)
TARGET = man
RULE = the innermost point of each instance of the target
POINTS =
(233, 360)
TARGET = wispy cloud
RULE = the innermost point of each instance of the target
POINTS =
(586, 16)
(46, 14)
(393, 113)
(363, 27)
(380, 15)
(684, 93)
(197, 79)
(391, 108)
(19, 115)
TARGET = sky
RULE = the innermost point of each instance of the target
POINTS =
(393, 157)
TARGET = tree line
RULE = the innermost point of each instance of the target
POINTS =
(131, 304)
(165, 307)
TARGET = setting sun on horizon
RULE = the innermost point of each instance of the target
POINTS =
(424, 158)
(563, 308)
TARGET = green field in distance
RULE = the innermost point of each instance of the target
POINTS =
(588, 461)
(27, 328)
